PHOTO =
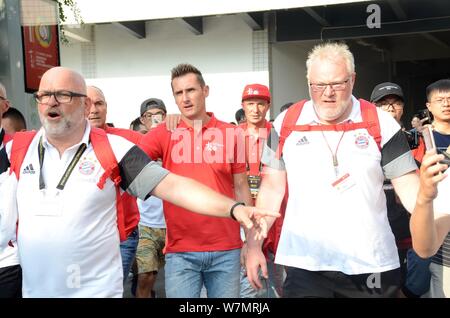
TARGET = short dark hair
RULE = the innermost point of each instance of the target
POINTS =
(16, 116)
(239, 115)
(442, 85)
(183, 69)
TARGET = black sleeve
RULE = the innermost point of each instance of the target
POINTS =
(139, 173)
(396, 157)
(394, 148)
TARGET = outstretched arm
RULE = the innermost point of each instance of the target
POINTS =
(428, 229)
(196, 197)
(270, 195)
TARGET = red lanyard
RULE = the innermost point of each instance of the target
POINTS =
(334, 154)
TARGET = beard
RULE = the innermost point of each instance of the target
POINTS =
(333, 114)
(65, 125)
(59, 128)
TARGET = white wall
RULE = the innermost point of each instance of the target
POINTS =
(130, 70)
(288, 73)
(70, 55)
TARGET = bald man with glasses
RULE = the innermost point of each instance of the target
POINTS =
(68, 237)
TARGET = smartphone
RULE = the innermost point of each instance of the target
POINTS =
(428, 137)
(156, 119)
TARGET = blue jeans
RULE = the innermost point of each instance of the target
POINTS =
(186, 272)
(246, 290)
(272, 288)
(128, 251)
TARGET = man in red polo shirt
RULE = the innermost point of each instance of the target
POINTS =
(200, 250)
(97, 118)
(255, 104)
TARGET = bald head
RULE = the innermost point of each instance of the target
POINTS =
(91, 89)
(98, 109)
(63, 106)
(62, 78)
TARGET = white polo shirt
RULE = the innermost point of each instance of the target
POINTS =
(331, 225)
(68, 239)
(151, 212)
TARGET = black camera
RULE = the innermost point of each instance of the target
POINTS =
(425, 117)
(412, 136)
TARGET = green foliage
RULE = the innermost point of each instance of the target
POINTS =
(62, 16)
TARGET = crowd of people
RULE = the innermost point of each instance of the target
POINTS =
(334, 198)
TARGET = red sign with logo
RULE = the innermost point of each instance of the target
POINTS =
(40, 51)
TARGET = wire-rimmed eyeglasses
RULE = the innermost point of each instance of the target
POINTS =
(335, 86)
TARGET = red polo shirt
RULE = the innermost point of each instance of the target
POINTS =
(253, 152)
(254, 147)
(209, 157)
(128, 201)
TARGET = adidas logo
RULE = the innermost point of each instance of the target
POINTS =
(303, 141)
(28, 169)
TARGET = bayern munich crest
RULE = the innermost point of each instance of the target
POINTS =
(86, 167)
(362, 141)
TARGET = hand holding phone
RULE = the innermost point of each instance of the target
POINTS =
(428, 137)
(156, 120)
(430, 144)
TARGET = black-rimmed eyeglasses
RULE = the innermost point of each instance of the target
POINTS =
(61, 97)
(385, 105)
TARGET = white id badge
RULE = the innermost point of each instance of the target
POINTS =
(50, 204)
(344, 183)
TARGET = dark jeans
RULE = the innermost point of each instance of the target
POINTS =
(11, 282)
(128, 251)
(328, 284)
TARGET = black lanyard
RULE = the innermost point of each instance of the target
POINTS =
(67, 173)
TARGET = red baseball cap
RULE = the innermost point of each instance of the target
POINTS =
(256, 91)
